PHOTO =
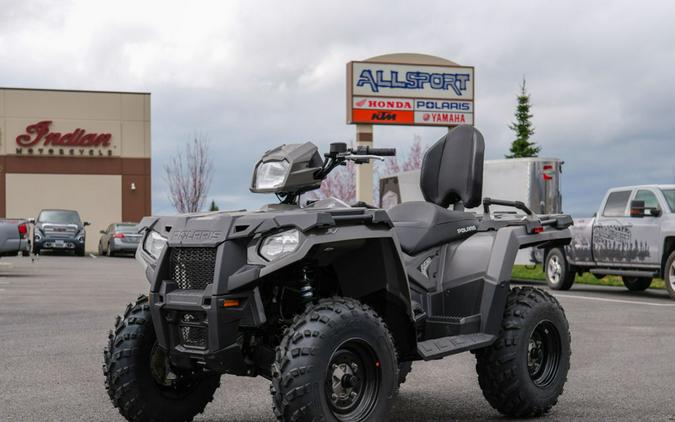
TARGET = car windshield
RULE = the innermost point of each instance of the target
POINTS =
(126, 228)
(59, 217)
(669, 194)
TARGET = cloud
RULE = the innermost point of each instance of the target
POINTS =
(252, 75)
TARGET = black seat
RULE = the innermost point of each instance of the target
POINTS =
(452, 173)
(421, 225)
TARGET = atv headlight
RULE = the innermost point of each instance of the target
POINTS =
(271, 175)
(277, 245)
(154, 243)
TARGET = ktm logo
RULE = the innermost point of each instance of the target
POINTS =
(383, 115)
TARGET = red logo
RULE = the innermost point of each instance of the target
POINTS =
(426, 117)
(361, 103)
(39, 133)
(548, 172)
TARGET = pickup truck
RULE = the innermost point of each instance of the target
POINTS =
(13, 237)
(632, 235)
(59, 230)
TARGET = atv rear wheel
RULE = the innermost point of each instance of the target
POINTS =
(337, 362)
(523, 372)
(139, 379)
(636, 284)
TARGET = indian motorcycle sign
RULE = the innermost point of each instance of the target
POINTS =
(405, 94)
(39, 139)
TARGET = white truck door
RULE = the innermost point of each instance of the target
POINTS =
(611, 232)
(645, 231)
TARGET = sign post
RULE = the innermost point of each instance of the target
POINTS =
(405, 89)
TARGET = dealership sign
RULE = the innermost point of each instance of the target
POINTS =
(38, 139)
(407, 94)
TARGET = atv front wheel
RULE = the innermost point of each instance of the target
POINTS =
(523, 372)
(337, 362)
(139, 379)
(637, 284)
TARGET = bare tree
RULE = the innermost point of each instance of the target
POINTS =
(189, 175)
(341, 183)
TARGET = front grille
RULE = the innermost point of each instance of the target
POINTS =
(59, 232)
(191, 335)
(192, 268)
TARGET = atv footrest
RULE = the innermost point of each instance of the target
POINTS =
(444, 346)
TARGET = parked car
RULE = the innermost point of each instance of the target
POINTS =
(632, 235)
(59, 230)
(119, 238)
(13, 236)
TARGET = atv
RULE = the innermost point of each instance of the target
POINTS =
(332, 302)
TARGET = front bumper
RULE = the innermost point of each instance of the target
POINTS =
(60, 243)
(194, 325)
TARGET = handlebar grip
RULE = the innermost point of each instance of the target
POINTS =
(382, 152)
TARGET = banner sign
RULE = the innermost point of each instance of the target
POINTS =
(407, 94)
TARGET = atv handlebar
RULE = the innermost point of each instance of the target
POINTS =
(339, 154)
(382, 152)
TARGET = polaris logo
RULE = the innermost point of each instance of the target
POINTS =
(466, 229)
(180, 236)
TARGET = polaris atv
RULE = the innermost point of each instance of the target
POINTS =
(332, 303)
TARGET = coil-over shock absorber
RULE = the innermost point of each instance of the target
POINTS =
(306, 289)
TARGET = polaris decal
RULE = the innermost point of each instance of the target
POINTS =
(183, 235)
(467, 229)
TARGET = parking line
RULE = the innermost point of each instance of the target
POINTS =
(602, 299)
(4, 282)
(93, 256)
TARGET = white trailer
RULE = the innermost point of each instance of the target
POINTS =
(533, 181)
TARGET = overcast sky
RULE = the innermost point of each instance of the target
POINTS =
(252, 75)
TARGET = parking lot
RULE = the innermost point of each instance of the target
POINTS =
(55, 314)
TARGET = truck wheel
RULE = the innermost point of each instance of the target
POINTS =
(336, 362)
(669, 275)
(139, 378)
(559, 273)
(636, 284)
(523, 372)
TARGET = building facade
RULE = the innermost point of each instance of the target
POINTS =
(81, 150)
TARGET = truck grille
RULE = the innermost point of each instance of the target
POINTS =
(192, 268)
(191, 335)
(59, 231)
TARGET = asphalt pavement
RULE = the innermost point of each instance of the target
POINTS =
(55, 314)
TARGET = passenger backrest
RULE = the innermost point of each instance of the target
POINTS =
(452, 169)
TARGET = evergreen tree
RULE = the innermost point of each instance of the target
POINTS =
(213, 206)
(522, 146)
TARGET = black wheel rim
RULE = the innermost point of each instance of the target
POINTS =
(172, 383)
(543, 354)
(353, 380)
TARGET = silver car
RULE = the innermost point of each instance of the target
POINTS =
(119, 238)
